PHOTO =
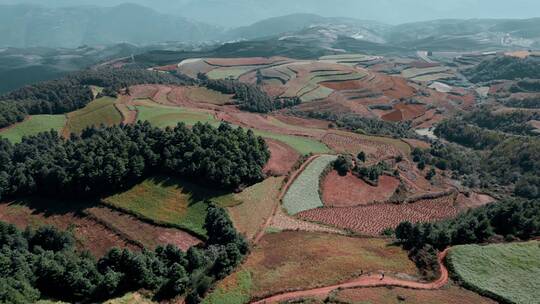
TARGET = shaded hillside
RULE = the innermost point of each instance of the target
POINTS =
(508, 68)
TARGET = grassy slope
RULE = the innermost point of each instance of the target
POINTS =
(161, 116)
(258, 203)
(99, 111)
(294, 260)
(34, 125)
(505, 271)
(234, 289)
(303, 145)
(169, 201)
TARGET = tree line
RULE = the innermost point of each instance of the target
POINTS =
(249, 97)
(44, 264)
(73, 91)
(516, 122)
(360, 124)
(102, 159)
(510, 219)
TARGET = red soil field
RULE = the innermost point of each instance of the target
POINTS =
(393, 116)
(282, 158)
(350, 191)
(150, 236)
(302, 122)
(89, 235)
(373, 219)
(351, 143)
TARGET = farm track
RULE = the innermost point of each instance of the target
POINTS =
(370, 280)
(268, 222)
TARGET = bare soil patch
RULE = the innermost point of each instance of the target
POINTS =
(349, 190)
(282, 158)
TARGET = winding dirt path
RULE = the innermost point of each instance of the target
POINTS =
(292, 178)
(364, 281)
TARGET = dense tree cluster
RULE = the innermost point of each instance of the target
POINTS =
(107, 159)
(471, 136)
(73, 92)
(526, 86)
(343, 164)
(504, 67)
(527, 103)
(371, 173)
(503, 159)
(250, 97)
(510, 122)
(509, 219)
(362, 125)
(44, 263)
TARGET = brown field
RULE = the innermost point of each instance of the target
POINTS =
(342, 142)
(89, 234)
(258, 203)
(392, 295)
(284, 222)
(301, 260)
(147, 235)
(415, 143)
(282, 158)
(349, 191)
(373, 219)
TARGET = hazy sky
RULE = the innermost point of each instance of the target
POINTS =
(243, 12)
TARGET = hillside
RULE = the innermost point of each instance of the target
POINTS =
(31, 25)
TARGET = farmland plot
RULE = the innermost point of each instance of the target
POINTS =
(32, 126)
(506, 272)
(304, 192)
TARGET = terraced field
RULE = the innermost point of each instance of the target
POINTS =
(303, 194)
(98, 112)
(32, 126)
(506, 272)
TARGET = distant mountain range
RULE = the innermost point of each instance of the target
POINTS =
(38, 26)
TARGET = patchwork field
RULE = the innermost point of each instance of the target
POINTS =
(301, 260)
(383, 295)
(506, 272)
(141, 233)
(33, 125)
(99, 111)
(171, 202)
(303, 194)
(66, 215)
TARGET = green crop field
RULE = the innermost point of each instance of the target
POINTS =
(303, 194)
(162, 116)
(34, 125)
(202, 94)
(303, 145)
(233, 72)
(99, 111)
(234, 289)
(507, 272)
(171, 202)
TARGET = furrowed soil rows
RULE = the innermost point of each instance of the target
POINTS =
(373, 219)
